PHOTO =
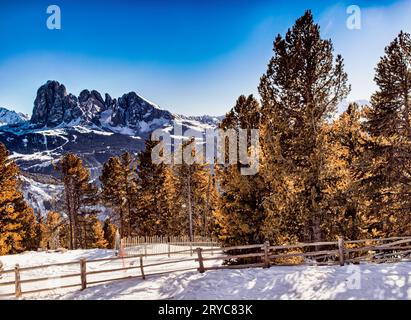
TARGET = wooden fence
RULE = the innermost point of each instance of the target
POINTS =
(262, 255)
(340, 252)
(167, 245)
(83, 274)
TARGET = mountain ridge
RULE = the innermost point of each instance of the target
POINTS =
(54, 106)
(11, 117)
(89, 125)
(93, 126)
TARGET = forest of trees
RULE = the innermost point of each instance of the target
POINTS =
(321, 175)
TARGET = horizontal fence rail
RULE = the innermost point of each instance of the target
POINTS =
(234, 257)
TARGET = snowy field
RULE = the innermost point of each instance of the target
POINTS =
(366, 281)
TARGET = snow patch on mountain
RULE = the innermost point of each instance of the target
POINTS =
(10, 117)
(40, 156)
(83, 129)
(43, 193)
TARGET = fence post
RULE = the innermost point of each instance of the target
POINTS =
(191, 249)
(169, 249)
(200, 260)
(83, 274)
(141, 268)
(341, 250)
(17, 280)
(266, 251)
(145, 249)
(121, 251)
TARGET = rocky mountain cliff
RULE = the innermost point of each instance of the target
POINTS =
(94, 127)
(89, 125)
(8, 117)
(55, 107)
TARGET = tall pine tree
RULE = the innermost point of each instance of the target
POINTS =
(389, 125)
(154, 207)
(300, 91)
(344, 159)
(120, 191)
(94, 235)
(17, 220)
(240, 215)
(195, 195)
(81, 196)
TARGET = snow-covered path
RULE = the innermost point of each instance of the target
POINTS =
(366, 281)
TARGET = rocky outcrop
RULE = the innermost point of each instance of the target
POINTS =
(9, 117)
(109, 102)
(53, 107)
(132, 111)
(92, 105)
(71, 110)
(48, 107)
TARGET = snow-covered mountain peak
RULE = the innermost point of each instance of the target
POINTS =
(94, 126)
(10, 117)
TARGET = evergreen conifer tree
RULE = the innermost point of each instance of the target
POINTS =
(195, 195)
(18, 228)
(388, 123)
(109, 230)
(240, 215)
(95, 235)
(154, 208)
(81, 196)
(300, 91)
(119, 191)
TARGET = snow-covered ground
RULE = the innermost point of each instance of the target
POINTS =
(366, 281)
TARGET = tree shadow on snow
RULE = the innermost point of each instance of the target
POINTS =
(384, 281)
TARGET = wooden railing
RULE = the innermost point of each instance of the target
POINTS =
(325, 253)
(83, 274)
(261, 255)
(161, 244)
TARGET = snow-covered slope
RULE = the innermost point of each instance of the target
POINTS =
(9, 117)
(350, 282)
(42, 192)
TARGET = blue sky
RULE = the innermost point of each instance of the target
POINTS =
(190, 57)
